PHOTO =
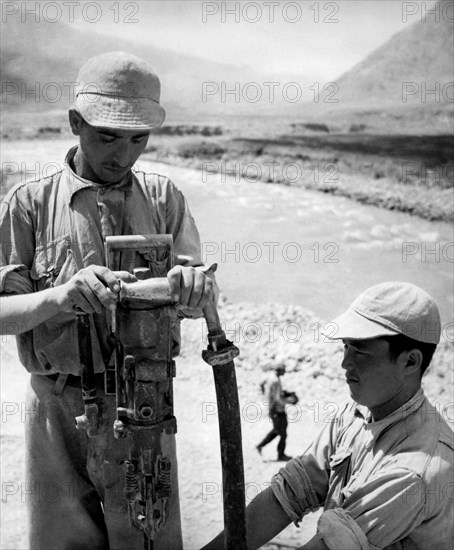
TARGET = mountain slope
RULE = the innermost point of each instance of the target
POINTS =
(417, 58)
(35, 54)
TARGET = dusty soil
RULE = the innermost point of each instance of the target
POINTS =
(313, 371)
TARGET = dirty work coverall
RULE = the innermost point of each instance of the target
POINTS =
(49, 230)
(384, 484)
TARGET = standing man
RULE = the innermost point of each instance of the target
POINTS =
(383, 468)
(52, 260)
(278, 415)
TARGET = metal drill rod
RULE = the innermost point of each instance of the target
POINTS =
(89, 421)
(231, 457)
(219, 355)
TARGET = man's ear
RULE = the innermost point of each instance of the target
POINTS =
(412, 361)
(75, 120)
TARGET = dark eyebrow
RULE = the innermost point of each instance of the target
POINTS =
(358, 344)
(362, 345)
(107, 133)
(113, 134)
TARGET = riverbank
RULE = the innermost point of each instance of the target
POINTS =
(410, 174)
(405, 172)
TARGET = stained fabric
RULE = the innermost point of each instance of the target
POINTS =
(339, 530)
(392, 478)
(53, 227)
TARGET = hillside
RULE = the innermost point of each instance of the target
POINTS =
(369, 95)
(421, 54)
(35, 54)
(389, 90)
(53, 52)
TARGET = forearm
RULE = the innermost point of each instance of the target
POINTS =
(316, 543)
(265, 519)
(19, 313)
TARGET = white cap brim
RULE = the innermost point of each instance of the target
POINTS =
(353, 326)
(124, 114)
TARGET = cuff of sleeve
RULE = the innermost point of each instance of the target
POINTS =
(292, 488)
(12, 282)
(339, 531)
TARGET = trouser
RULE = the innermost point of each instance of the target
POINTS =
(280, 423)
(77, 500)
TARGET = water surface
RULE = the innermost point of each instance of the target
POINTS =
(281, 244)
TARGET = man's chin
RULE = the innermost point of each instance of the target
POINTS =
(355, 394)
(109, 176)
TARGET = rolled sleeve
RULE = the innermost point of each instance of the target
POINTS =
(293, 489)
(15, 279)
(16, 246)
(388, 507)
(339, 531)
(302, 485)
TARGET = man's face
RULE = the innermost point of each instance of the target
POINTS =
(373, 378)
(106, 154)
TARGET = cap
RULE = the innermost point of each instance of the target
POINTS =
(388, 309)
(119, 90)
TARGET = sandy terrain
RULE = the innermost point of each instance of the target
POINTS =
(313, 372)
(313, 366)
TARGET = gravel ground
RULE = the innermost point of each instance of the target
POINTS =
(265, 333)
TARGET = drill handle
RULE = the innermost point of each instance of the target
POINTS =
(155, 292)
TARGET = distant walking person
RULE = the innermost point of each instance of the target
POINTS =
(277, 399)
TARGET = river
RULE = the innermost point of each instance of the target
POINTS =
(275, 243)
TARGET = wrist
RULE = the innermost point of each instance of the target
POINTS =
(52, 302)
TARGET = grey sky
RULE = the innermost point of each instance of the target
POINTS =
(346, 32)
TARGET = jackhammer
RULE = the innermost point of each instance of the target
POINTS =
(143, 381)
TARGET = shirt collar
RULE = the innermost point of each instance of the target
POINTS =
(76, 183)
(377, 427)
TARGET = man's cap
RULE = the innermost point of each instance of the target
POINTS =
(280, 367)
(388, 309)
(119, 90)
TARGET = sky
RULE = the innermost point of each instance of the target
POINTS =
(319, 39)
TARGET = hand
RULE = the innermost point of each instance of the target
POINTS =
(91, 289)
(190, 287)
(125, 276)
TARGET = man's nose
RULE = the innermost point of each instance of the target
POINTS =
(346, 361)
(123, 153)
